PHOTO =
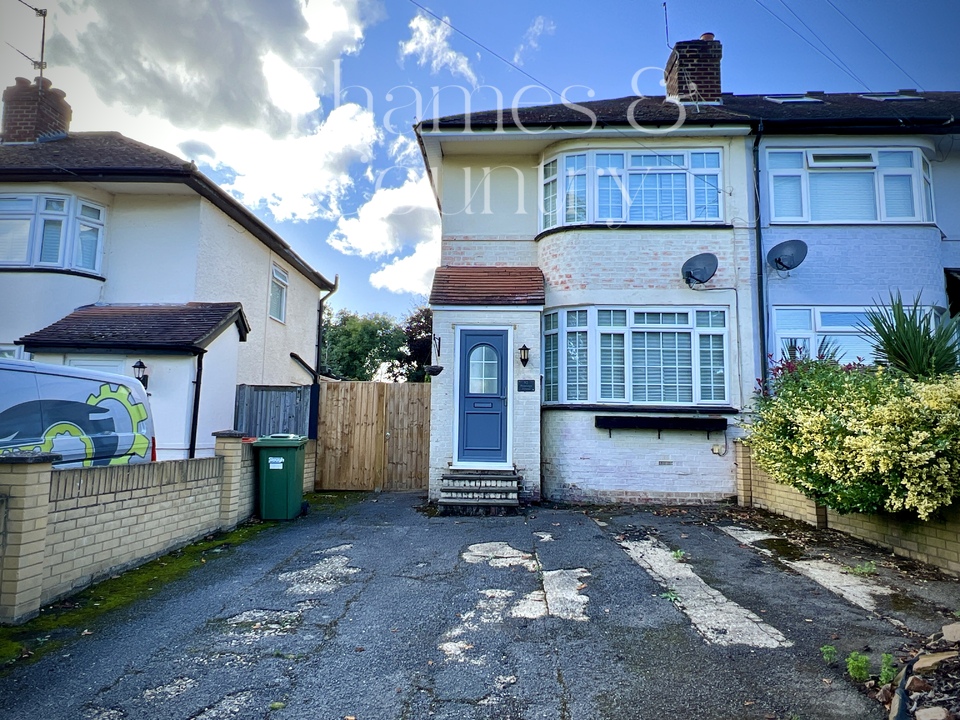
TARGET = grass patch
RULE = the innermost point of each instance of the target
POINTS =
(332, 500)
(68, 618)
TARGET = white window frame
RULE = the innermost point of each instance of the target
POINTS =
(818, 160)
(594, 331)
(279, 278)
(818, 329)
(592, 172)
(551, 329)
(71, 221)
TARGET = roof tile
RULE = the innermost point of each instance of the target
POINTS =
(485, 285)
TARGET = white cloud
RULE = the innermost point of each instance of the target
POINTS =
(414, 273)
(287, 87)
(405, 152)
(298, 177)
(393, 218)
(430, 43)
(531, 38)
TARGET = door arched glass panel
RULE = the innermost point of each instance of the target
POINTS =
(484, 368)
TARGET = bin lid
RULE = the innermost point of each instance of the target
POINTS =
(281, 440)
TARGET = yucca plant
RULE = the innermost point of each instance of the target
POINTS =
(911, 340)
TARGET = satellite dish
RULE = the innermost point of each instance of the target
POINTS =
(699, 269)
(787, 255)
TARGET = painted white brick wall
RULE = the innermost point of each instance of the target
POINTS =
(524, 407)
(490, 251)
(584, 464)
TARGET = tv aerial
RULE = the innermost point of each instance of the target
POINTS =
(699, 269)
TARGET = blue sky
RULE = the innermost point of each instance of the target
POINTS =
(247, 90)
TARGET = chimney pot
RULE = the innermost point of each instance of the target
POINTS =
(707, 36)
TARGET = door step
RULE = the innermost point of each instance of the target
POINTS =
(480, 489)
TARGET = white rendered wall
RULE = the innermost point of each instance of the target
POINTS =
(234, 266)
(30, 301)
(218, 389)
(523, 407)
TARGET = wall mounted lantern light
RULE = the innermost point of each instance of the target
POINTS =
(140, 372)
(524, 355)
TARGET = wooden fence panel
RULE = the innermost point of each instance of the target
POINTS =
(268, 409)
(373, 436)
(408, 440)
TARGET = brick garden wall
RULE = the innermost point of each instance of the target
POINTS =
(935, 542)
(64, 529)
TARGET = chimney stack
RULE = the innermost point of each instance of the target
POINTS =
(32, 111)
(693, 70)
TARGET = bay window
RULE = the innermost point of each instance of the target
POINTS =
(850, 185)
(51, 231)
(642, 187)
(642, 356)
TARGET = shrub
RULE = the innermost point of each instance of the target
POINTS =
(910, 339)
(860, 439)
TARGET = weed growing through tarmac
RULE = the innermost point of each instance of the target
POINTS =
(671, 595)
(865, 568)
(679, 555)
(829, 653)
(858, 666)
(888, 670)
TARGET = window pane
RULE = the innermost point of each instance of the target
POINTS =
(14, 239)
(550, 321)
(551, 366)
(550, 203)
(612, 367)
(793, 319)
(705, 160)
(794, 348)
(787, 196)
(842, 319)
(280, 275)
(711, 318)
(712, 375)
(661, 318)
(577, 366)
(576, 318)
(278, 300)
(484, 370)
(898, 195)
(609, 161)
(662, 367)
(657, 196)
(575, 163)
(550, 169)
(54, 204)
(609, 197)
(612, 318)
(50, 241)
(706, 197)
(849, 347)
(896, 159)
(576, 204)
(88, 211)
(778, 160)
(88, 247)
(842, 196)
(16, 204)
(928, 199)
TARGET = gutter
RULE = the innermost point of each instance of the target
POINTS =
(761, 277)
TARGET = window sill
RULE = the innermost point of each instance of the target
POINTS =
(703, 410)
(704, 224)
(53, 270)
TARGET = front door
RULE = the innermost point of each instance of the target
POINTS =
(482, 419)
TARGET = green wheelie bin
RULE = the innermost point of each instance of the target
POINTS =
(280, 475)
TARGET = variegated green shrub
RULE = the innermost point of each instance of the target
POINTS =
(860, 439)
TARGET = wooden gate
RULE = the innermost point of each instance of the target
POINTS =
(373, 436)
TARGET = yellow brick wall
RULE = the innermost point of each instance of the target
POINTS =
(105, 518)
(933, 541)
(310, 466)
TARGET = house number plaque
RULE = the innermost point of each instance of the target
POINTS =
(526, 385)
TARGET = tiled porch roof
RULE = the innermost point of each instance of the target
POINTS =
(486, 285)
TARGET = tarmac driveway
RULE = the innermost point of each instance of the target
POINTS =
(379, 611)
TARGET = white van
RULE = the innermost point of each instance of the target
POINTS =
(90, 418)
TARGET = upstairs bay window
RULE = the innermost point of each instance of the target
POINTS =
(51, 231)
(641, 187)
(850, 185)
(641, 356)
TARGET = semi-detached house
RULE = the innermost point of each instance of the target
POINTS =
(114, 252)
(614, 274)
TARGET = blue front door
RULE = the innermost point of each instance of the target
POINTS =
(483, 396)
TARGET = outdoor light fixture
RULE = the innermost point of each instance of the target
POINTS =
(524, 355)
(140, 372)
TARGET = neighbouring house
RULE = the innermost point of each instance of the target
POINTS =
(113, 252)
(614, 273)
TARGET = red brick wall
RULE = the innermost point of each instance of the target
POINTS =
(32, 111)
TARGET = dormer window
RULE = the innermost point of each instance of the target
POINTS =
(51, 231)
(607, 187)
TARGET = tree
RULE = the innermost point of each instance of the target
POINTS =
(357, 347)
(415, 355)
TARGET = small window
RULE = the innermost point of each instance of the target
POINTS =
(782, 99)
(884, 97)
(278, 294)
